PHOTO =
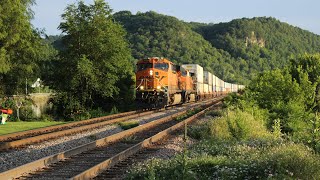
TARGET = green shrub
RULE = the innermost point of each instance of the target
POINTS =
(46, 117)
(159, 169)
(26, 113)
(128, 124)
(114, 110)
(247, 162)
(233, 99)
(240, 125)
(276, 128)
(80, 115)
(199, 131)
(291, 160)
(237, 160)
(214, 113)
(219, 129)
(188, 114)
(98, 113)
(129, 139)
(238, 146)
(69, 107)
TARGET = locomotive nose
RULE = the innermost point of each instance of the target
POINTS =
(148, 81)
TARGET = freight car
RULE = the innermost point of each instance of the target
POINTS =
(160, 83)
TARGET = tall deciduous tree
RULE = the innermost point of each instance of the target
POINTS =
(310, 66)
(21, 47)
(96, 58)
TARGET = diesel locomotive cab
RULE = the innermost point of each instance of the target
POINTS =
(152, 82)
(160, 83)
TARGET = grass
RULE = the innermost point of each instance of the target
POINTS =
(188, 114)
(129, 139)
(238, 145)
(240, 126)
(11, 127)
(214, 113)
(128, 124)
(93, 137)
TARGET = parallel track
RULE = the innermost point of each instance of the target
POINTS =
(42, 134)
(118, 171)
(107, 152)
(21, 139)
(39, 131)
(76, 164)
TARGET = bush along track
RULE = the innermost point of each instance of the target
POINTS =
(237, 145)
(128, 125)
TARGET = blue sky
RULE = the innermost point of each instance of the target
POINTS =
(302, 13)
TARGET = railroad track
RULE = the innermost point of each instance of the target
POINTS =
(120, 170)
(89, 160)
(24, 138)
(23, 134)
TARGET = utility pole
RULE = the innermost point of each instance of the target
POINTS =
(18, 105)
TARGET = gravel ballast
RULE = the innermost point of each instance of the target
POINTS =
(18, 157)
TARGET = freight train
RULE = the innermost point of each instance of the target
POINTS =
(160, 83)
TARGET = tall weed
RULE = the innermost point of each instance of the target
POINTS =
(238, 146)
(239, 125)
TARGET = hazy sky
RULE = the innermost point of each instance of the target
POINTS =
(302, 13)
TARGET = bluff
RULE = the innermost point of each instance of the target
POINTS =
(235, 51)
(259, 44)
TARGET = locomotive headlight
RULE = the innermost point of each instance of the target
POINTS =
(158, 87)
(151, 72)
(141, 87)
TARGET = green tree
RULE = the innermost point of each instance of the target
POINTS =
(21, 47)
(96, 57)
(264, 43)
(292, 96)
(307, 68)
(282, 96)
(152, 34)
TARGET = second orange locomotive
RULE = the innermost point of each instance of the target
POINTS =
(159, 83)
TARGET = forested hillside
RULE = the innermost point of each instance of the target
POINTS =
(152, 34)
(235, 51)
(259, 44)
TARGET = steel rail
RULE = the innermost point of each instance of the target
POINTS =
(70, 128)
(32, 166)
(95, 170)
(43, 137)
(68, 125)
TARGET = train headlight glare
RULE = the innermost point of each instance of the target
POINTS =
(141, 87)
(151, 72)
(158, 87)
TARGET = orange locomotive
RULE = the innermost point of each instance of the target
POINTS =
(160, 83)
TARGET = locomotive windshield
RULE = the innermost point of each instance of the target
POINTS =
(183, 71)
(143, 66)
(161, 66)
